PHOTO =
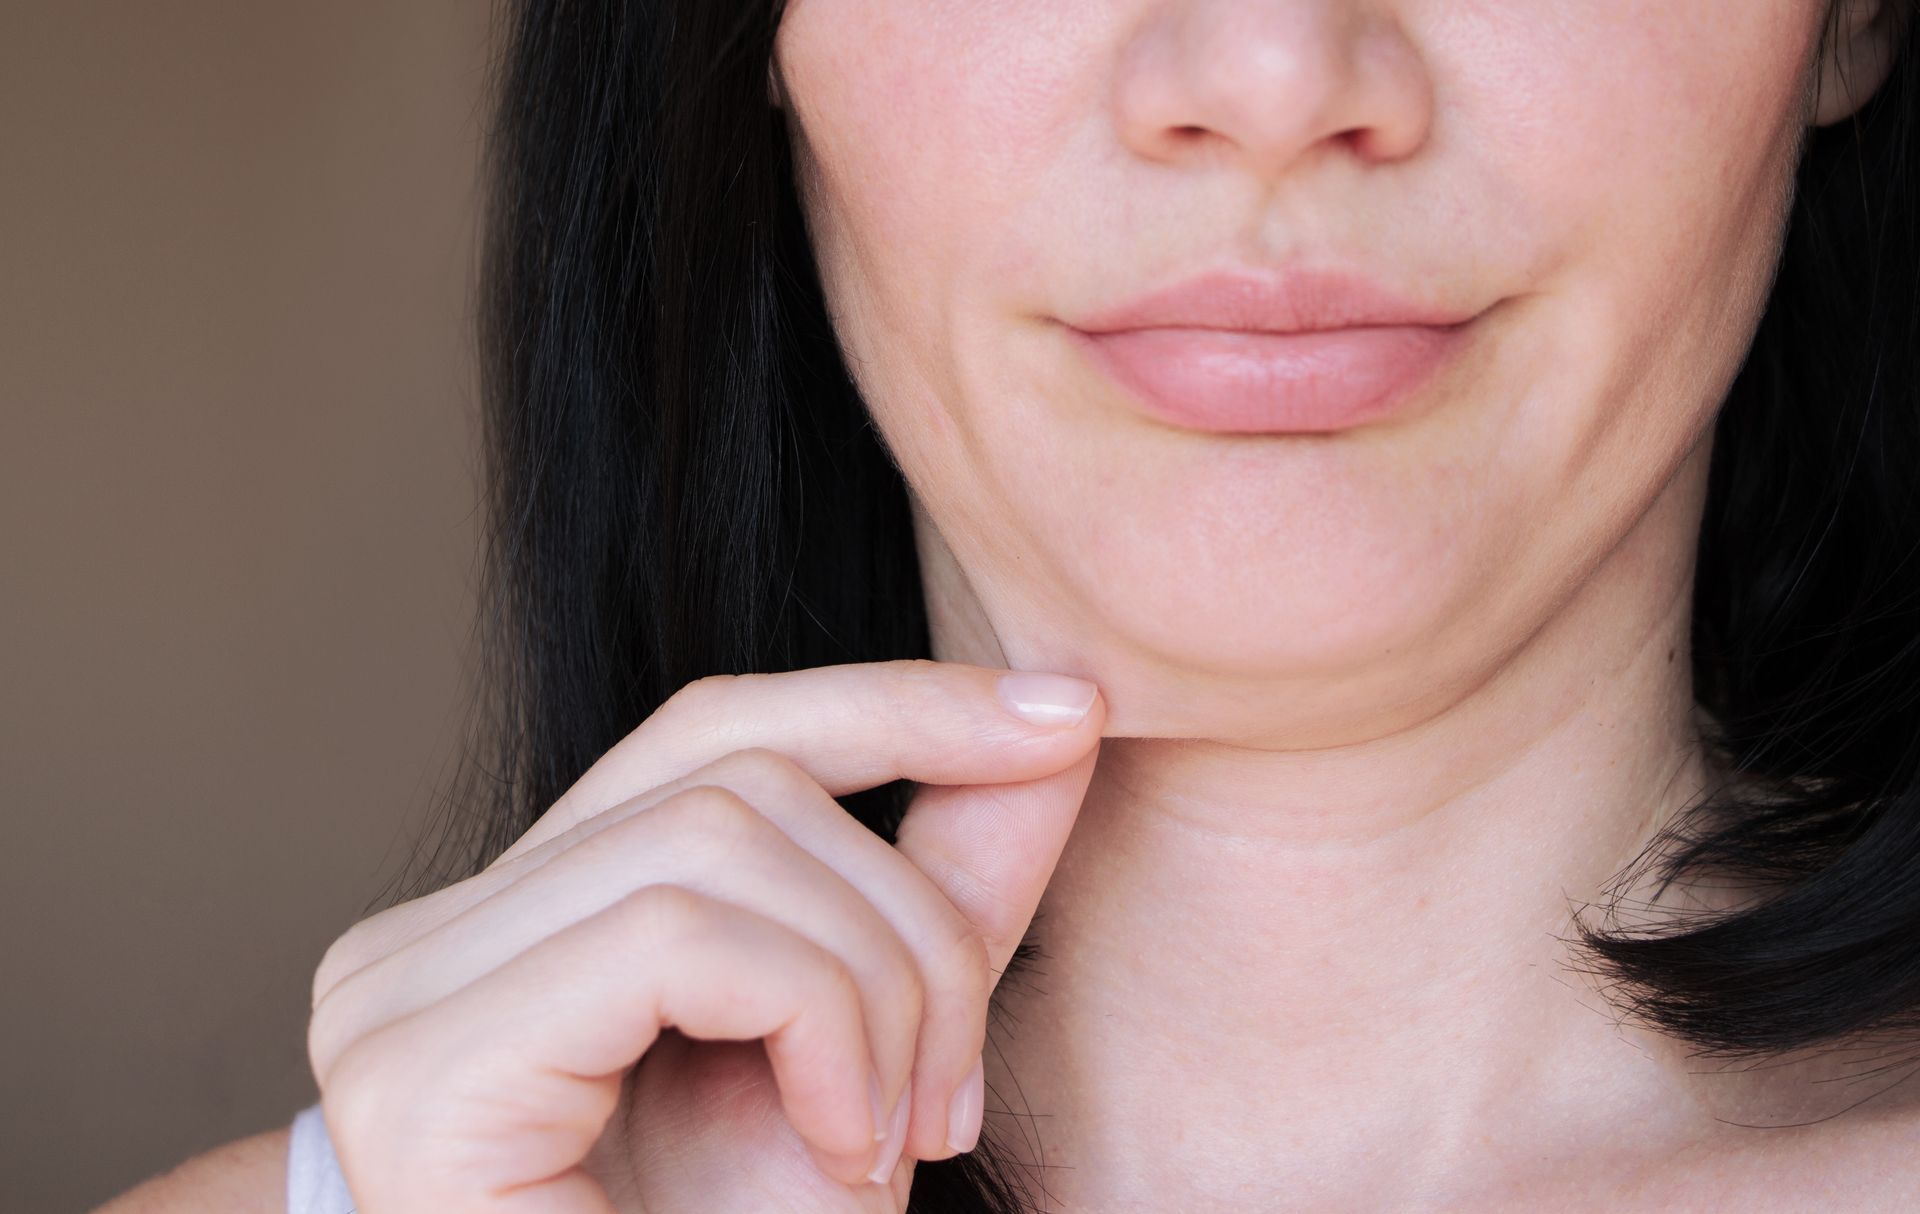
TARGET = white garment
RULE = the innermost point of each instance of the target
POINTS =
(314, 1182)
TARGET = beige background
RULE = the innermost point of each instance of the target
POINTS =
(236, 538)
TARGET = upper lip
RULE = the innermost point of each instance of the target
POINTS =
(1291, 301)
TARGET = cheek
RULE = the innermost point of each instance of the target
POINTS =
(1646, 144)
(929, 133)
(928, 127)
(1645, 150)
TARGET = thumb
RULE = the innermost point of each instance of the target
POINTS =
(992, 848)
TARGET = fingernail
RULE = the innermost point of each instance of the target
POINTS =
(896, 1139)
(963, 1116)
(1046, 699)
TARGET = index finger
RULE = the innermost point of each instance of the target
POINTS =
(850, 727)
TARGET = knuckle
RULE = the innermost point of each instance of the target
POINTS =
(701, 690)
(765, 774)
(379, 935)
(838, 978)
(703, 697)
(703, 711)
(662, 913)
(715, 822)
(324, 1047)
(960, 963)
(349, 1070)
(344, 957)
(692, 702)
(898, 986)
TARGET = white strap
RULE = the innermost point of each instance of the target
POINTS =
(314, 1182)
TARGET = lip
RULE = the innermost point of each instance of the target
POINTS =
(1305, 351)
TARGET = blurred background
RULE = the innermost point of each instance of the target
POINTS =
(237, 539)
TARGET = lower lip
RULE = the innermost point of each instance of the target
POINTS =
(1237, 381)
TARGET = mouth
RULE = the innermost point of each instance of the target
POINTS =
(1248, 381)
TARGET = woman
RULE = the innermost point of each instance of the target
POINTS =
(1436, 469)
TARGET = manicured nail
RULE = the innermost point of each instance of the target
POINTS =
(963, 1117)
(1046, 699)
(896, 1139)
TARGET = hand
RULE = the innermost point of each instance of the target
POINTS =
(496, 1047)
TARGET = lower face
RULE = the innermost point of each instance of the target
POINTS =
(1601, 184)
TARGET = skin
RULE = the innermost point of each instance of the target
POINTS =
(1385, 706)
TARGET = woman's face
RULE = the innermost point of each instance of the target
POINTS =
(1600, 185)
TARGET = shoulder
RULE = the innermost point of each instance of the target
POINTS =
(1842, 1165)
(1882, 1161)
(246, 1176)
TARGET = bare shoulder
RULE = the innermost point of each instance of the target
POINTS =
(1863, 1165)
(1889, 1158)
(246, 1176)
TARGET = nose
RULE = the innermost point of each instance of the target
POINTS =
(1268, 82)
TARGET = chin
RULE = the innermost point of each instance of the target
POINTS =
(1183, 659)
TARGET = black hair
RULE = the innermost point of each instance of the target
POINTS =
(1806, 631)
(682, 480)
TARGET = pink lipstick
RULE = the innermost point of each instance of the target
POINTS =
(1306, 351)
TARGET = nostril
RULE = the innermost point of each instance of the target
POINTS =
(1187, 136)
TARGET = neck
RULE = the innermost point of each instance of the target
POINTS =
(1349, 947)
(1256, 965)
